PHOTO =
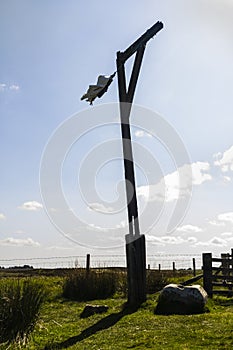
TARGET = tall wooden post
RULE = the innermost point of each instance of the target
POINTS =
(135, 242)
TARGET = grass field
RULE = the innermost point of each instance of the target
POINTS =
(60, 325)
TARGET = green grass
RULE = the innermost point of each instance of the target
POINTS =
(20, 303)
(60, 324)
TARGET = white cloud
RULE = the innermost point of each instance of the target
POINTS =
(174, 189)
(19, 242)
(226, 178)
(122, 224)
(31, 206)
(189, 229)
(168, 189)
(154, 240)
(215, 241)
(172, 240)
(56, 247)
(177, 184)
(227, 234)
(192, 240)
(200, 175)
(142, 133)
(226, 217)
(2, 87)
(97, 228)
(2, 216)
(99, 207)
(225, 160)
(216, 223)
(165, 240)
(222, 219)
(218, 241)
(14, 87)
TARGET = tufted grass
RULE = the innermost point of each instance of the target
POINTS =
(20, 303)
(82, 285)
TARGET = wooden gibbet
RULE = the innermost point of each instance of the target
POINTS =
(135, 242)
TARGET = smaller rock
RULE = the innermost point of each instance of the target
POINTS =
(90, 310)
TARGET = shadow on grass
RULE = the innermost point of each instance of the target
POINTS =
(105, 323)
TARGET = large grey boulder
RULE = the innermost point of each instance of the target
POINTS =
(177, 299)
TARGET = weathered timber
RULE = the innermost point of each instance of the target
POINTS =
(141, 41)
(229, 260)
(192, 280)
(135, 242)
(194, 267)
(88, 259)
(207, 272)
(223, 284)
(221, 276)
(229, 293)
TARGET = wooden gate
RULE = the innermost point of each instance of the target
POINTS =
(218, 279)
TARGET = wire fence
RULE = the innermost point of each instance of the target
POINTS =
(155, 261)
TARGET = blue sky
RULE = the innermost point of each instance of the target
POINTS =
(52, 50)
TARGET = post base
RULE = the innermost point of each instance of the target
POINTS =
(136, 269)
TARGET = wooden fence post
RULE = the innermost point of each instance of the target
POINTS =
(207, 273)
(159, 267)
(88, 257)
(174, 266)
(232, 261)
(194, 267)
(225, 264)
